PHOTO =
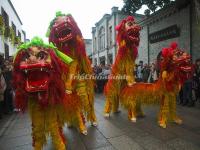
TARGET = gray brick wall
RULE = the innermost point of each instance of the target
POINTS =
(195, 36)
(182, 20)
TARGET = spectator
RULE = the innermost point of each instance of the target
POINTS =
(8, 94)
(196, 79)
(153, 75)
(145, 72)
(2, 90)
(187, 93)
(139, 71)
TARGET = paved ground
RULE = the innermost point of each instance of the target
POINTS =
(116, 133)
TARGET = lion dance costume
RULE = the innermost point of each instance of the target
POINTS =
(65, 34)
(122, 73)
(38, 82)
(175, 68)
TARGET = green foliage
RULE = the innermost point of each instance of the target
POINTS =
(2, 26)
(131, 6)
(12, 35)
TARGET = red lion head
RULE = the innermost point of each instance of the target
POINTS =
(177, 61)
(128, 36)
(66, 35)
(37, 75)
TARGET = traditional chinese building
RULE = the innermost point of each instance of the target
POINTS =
(104, 46)
(178, 22)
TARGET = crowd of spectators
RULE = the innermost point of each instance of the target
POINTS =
(6, 92)
(189, 92)
(101, 73)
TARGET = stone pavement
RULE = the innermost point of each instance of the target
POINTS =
(116, 133)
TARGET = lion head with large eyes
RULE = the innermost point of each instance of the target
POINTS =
(175, 60)
(37, 74)
(128, 36)
(66, 35)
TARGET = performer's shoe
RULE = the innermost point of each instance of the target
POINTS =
(84, 132)
(178, 121)
(140, 114)
(94, 123)
(131, 84)
(162, 124)
(117, 111)
(106, 115)
(133, 119)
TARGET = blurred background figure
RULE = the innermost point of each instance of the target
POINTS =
(140, 71)
(8, 94)
(153, 75)
(145, 72)
(196, 81)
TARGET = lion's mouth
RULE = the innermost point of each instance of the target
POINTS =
(37, 77)
(64, 35)
(133, 35)
(63, 32)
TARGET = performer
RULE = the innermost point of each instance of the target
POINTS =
(65, 34)
(38, 83)
(128, 41)
(175, 68)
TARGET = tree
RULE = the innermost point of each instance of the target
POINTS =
(131, 6)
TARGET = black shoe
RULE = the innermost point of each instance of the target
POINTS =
(191, 104)
(184, 104)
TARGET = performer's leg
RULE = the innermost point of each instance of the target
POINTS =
(38, 125)
(89, 109)
(81, 123)
(91, 116)
(172, 110)
(107, 108)
(54, 128)
(115, 106)
(132, 115)
(139, 112)
(164, 110)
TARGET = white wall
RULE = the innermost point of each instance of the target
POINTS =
(12, 18)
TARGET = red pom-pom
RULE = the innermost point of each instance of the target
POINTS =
(130, 18)
(174, 45)
(165, 52)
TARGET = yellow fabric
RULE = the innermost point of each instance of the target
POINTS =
(71, 75)
(122, 67)
(44, 123)
(150, 94)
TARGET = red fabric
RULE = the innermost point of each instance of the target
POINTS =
(56, 91)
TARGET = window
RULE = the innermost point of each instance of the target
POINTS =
(101, 38)
(6, 20)
(14, 28)
(110, 36)
(6, 50)
(5, 17)
(19, 35)
(95, 44)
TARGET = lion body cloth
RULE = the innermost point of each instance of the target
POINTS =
(38, 82)
(123, 67)
(175, 68)
(65, 34)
